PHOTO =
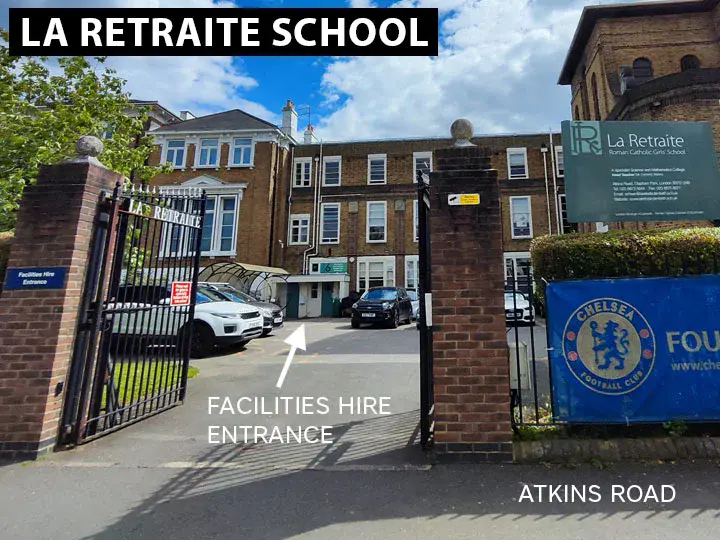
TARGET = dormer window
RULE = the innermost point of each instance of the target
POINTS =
(209, 153)
(642, 68)
(689, 61)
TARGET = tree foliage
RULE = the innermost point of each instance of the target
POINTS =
(47, 105)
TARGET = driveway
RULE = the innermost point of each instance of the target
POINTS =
(162, 479)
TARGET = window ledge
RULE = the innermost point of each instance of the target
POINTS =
(376, 241)
(236, 166)
(298, 244)
(330, 243)
(217, 168)
(218, 253)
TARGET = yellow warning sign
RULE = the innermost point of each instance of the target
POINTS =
(462, 199)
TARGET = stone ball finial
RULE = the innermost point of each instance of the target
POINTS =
(462, 131)
(89, 146)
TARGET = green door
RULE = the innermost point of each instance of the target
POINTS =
(293, 300)
(326, 309)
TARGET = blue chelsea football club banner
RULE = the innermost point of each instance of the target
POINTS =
(635, 350)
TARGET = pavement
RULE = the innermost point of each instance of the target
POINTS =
(161, 478)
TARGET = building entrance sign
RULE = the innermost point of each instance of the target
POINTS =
(640, 171)
(35, 278)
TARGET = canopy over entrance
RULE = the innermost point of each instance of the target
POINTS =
(255, 280)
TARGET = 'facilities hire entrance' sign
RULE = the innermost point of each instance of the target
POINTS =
(640, 171)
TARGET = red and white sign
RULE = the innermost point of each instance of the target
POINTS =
(180, 294)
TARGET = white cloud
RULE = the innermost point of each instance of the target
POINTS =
(498, 64)
(202, 85)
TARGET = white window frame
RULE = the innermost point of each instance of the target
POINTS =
(530, 220)
(522, 151)
(332, 159)
(166, 149)
(416, 221)
(294, 217)
(296, 162)
(375, 157)
(198, 150)
(421, 155)
(367, 222)
(323, 206)
(563, 218)
(514, 256)
(216, 240)
(559, 149)
(412, 260)
(388, 266)
(231, 153)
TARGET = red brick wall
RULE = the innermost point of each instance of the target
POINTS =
(471, 366)
(37, 328)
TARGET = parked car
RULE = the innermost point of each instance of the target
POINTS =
(272, 313)
(518, 309)
(387, 305)
(415, 299)
(144, 311)
(346, 303)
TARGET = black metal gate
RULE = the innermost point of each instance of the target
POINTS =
(132, 350)
(427, 395)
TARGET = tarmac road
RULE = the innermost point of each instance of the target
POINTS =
(162, 479)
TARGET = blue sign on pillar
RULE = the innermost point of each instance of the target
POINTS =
(35, 278)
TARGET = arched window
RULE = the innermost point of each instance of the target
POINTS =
(642, 68)
(689, 61)
(596, 98)
(577, 112)
(584, 93)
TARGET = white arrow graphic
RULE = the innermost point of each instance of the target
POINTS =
(296, 340)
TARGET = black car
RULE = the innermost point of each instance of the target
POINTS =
(387, 305)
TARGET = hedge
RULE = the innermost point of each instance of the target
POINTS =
(6, 239)
(626, 253)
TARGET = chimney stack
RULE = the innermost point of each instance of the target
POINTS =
(289, 120)
(186, 115)
(309, 135)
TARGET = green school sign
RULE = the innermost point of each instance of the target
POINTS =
(640, 171)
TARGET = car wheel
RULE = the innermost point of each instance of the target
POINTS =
(202, 340)
(395, 320)
(355, 324)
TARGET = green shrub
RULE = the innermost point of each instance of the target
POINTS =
(6, 239)
(625, 253)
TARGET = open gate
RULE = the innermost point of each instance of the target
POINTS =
(427, 392)
(132, 350)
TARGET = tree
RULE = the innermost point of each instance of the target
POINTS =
(46, 106)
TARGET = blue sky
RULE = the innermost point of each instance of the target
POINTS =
(498, 66)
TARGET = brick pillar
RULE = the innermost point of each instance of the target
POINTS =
(471, 366)
(37, 327)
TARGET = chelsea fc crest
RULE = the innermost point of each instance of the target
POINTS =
(609, 346)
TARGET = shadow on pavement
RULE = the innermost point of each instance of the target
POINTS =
(278, 491)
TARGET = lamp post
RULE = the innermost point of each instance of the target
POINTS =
(544, 149)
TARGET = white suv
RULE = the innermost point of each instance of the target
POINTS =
(216, 322)
(219, 322)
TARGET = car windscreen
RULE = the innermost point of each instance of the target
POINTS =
(236, 295)
(204, 296)
(380, 294)
(520, 297)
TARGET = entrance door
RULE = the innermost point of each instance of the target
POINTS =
(293, 300)
(327, 300)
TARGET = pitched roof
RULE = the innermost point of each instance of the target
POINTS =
(227, 120)
(591, 14)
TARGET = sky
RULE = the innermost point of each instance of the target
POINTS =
(498, 66)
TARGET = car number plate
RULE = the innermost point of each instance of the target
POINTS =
(255, 324)
(278, 319)
(368, 314)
